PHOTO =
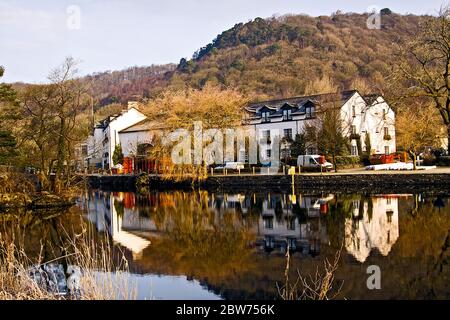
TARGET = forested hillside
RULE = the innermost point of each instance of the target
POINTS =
(298, 54)
(273, 58)
(119, 86)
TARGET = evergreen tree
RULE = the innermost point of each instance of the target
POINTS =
(118, 155)
(8, 101)
(298, 146)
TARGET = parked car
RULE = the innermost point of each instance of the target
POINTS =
(313, 161)
(231, 166)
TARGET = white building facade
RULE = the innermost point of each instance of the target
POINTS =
(105, 136)
(368, 121)
(365, 119)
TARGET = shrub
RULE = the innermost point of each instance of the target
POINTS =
(347, 161)
(443, 161)
(429, 160)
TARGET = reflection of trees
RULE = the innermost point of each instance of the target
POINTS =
(195, 231)
(41, 233)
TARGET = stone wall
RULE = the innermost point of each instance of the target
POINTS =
(374, 183)
(344, 183)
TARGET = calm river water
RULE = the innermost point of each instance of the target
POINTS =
(202, 245)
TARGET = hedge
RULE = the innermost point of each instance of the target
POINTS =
(347, 161)
(443, 161)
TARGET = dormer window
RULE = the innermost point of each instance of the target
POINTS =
(287, 114)
(265, 115)
(310, 112)
(353, 111)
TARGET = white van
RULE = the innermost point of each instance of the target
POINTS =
(313, 162)
(231, 166)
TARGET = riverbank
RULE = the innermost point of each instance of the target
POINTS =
(40, 200)
(430, 181)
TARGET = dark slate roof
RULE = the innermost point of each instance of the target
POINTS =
(144, 125)
(299, 103)
(371, 98)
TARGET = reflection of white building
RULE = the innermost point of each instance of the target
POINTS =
(377, 228)
(103, 213)
(278, 226)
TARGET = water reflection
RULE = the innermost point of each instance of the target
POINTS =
(276, 221)
(234, 244)
(117, 214)
(373, 225)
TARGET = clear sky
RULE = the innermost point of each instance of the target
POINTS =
(36, 36)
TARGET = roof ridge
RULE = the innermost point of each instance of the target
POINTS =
(303, 97)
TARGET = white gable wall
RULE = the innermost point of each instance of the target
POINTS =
(376, 124)
(367, 120)
(131, 140)
(111, 133)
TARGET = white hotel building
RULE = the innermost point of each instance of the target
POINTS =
(360, 115)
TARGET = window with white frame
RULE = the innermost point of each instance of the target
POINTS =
(266, 136)
(354, 150)
(311, 150)
(310, 112)
(287, 114)
(268, 222)
(265, 116)
(287, 133)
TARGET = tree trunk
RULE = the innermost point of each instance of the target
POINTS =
(448, 139)
(414, 161)
(61, 155)
(335, 164)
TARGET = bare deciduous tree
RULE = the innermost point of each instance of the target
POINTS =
(416, 129)
(424, 66)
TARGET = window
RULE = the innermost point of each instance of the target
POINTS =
(353, 129)
(354, 150)
(268, 153)
(353, 111)
(285, 153)
(291, 224)
(310, 112)
(269, 241)
(265, 116)
(287, 114)
(292, 243)
(386, 149)
(384, 114)
(288, 133)
(311, 150)
(266, 136)
(268, 223)
(386, 131)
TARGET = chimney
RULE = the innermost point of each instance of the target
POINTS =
(132, 104)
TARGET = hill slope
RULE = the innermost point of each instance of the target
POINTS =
(120, 86)
(298, 54)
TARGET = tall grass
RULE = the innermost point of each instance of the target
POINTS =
(103, 273)
(317, 286)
